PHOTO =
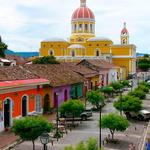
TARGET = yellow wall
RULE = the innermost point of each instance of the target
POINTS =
(121, 50)
(48, 90)
(57, 47)
(95, 80)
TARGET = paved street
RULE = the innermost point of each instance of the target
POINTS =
(90, 129)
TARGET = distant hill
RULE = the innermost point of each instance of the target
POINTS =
(9, 52)
(23, 54)
(140, 54)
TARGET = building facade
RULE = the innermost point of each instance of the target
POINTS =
(84, 44)
(20, 98)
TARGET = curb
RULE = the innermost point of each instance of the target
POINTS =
(12, 145)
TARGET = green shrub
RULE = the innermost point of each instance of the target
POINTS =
(125, 83)
(143, 88)
(138, 93)
(145, 84)
(90, 144)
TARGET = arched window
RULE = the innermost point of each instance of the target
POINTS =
(86, 27)
(51, 52)
(91, 27)
(24, 106)
(80, 27)
(75, 27)
(97, 52)
(73, 53)
(124, 41)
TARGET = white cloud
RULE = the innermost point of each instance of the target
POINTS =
(23, 23)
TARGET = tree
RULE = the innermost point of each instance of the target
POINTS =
(116, 86)
(143, 88)
(3, 47)
(114, 123)
(144, 63)
(45, 60)
(107, 90)
(95, 98)
(30, 128)
(46, 108)
(75, 107)
(125, 83)
(128, 104)
(138, 93)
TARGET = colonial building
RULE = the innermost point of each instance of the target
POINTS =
(83, 43)
(19, 98)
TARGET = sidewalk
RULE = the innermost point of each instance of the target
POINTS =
(7, 138)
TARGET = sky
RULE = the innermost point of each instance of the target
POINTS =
(25, 23)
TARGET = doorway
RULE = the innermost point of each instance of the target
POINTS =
(7, 113)
(24, 106)
(55, 100)
(65, 96)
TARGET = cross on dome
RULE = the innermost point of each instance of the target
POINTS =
(83, 3)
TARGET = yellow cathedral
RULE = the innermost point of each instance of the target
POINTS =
(84, 44)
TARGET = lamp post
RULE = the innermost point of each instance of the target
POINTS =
(143, 77)
(100, 116)
(121, 100)
(131, 85)
(44, 138)
(57, 117)
(138, 78)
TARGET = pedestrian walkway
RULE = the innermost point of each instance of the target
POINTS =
(7, 138)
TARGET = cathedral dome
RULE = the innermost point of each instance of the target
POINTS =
(83, 12)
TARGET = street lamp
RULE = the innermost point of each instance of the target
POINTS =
(143, 77)
(57, 117)
(100, 116)
(44, 138)
(121, 91)
(131, 85)
(138, 80)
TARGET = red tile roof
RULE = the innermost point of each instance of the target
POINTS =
(100, 63)
(15, 73)
(83, 70)
(58, 74)
(16, 83)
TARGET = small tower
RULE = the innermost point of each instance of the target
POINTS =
(124, 35)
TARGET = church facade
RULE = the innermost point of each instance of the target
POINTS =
(84, 44)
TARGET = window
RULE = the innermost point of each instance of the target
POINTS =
(91, 27)
(75, 27)
(80, 27)
(97, 52)
(86, 27)
(124, 41)
(72, 53)
(51, 52)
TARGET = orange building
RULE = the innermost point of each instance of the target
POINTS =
(20, 98)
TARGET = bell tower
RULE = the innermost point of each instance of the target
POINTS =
(124, 35)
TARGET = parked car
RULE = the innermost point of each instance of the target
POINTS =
(83, 116)
(141, 115)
